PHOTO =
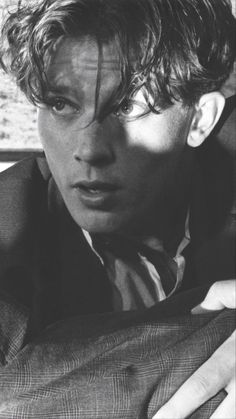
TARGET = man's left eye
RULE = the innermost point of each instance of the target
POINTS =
(130, 109)
(127, 107)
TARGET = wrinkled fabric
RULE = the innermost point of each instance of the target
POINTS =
(118, 365)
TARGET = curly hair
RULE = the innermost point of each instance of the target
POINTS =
(173, 49)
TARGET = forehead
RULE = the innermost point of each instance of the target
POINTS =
(76, 60)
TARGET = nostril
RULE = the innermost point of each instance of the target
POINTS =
(95, 151)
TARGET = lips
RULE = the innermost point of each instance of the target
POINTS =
(96, 193)
(96, 186)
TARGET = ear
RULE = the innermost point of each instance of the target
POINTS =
(205, 116)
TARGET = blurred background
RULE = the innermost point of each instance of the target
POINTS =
(17, 116)
(18, 131)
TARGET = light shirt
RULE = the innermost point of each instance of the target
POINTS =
(139, 281)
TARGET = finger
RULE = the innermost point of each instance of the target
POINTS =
(221, 294)
(215, 374)
(191, 395)
(227, 409)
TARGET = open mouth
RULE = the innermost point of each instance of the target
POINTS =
(96, 187)
(100, 188)
(96, 193)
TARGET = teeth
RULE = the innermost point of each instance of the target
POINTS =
(94, 191)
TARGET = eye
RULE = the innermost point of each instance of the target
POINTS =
(62, 107)
(125, 108)
(131, 109)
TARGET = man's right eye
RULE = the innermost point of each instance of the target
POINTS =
(62, 107)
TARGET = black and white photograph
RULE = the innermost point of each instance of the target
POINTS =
(117, 209)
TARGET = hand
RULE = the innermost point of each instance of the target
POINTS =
(217, 373)
(221, 295)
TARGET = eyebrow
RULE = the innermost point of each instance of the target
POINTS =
(60, 87)
(63, 88)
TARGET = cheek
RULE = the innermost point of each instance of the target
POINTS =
(45, 129)
(159, 134)
(56, 152)
(51, 136)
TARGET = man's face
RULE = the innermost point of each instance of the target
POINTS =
(115, 173)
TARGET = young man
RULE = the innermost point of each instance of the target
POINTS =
(126, 91)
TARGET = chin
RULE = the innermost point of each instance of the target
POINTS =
(100, 222)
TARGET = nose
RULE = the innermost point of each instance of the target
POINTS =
(94, 144)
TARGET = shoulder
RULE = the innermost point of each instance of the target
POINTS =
(216, 161)
(22, 188)
(23, 178)
(25, 169)
(20, 182)
(213, 210)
